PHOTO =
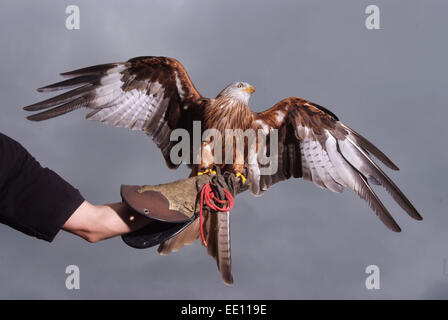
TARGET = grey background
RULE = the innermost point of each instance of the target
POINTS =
(294, 242)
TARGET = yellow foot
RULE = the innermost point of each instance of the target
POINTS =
(241, 176)
(206, 171)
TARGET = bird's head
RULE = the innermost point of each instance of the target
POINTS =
(238, 90)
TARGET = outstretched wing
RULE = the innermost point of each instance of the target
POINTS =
(151, 94)
(314, 145)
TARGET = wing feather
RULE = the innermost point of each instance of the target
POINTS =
(355, 181)
(144, 93)
(370, 147)
(332, 156)
(361, 161)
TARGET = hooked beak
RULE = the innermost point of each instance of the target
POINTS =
(251, 89)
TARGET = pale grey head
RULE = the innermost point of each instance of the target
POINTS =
(238, 90)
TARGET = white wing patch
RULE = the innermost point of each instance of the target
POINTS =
(304, 132)
(263, 125)
(129, 109)
(318, 165)
(280, 116)
(179, 86)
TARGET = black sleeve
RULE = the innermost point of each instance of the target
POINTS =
(33, 200)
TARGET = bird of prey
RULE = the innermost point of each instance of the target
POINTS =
(155, 95)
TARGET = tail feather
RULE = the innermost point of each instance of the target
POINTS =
(186, 237)
(217, 234)
(223, 258)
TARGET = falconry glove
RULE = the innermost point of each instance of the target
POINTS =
(174, 208)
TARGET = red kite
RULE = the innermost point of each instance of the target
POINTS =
(155, 95)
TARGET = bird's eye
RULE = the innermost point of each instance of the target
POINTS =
(240, 85)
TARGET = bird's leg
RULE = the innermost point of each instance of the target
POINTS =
(241, 176)
(207, 161)
(206, 171)
(238, 169)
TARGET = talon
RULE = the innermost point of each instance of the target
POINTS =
(206, 171)
(241, 176)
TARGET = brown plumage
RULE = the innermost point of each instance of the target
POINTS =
(155, 95)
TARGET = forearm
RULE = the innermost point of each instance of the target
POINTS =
(37, 201)
(99, 222)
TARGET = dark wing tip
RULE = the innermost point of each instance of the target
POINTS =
(36, 117)
(418, 216)
(49, 88)
(411, 211)
(57, 111)
(370, 147)
(393, 166)
(96, 69)
(228, 280)
(390, 222)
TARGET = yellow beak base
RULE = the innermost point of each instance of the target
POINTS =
(251, 89)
